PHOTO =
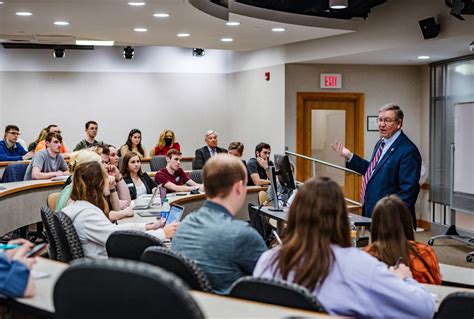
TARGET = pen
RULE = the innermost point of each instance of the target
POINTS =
(9, 246)
(400, 259)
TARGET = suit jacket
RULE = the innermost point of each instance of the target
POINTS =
(202, 155)
(398, 172)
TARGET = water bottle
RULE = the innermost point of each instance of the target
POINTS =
(165, 206)
(353, 235)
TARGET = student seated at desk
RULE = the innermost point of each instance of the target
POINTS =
(166, 141)
(10, 148)
(138, 183)
(133, 144)
(89, 219)
(15, 279)
(173, 178)
(316, 253)
(393, 238)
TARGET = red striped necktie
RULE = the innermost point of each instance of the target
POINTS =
(370, 170)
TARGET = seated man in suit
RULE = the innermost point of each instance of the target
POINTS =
(10, 149)
(211, 149)
(224, 247)
(258, 166)
(48, 163)
(172, 177)
(395, 165)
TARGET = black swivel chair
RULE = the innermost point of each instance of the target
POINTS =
(178, 264)
(196, 175)
(47, 216)
(459, 305)
(275, 292)
(129, 244)
(119, 289)
(157, 163)
(261, 223)
(68, 240)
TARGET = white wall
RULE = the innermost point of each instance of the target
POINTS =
(257, 109)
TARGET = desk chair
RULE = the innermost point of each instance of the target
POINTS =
(52, 200)
(459, 305)
(196, 175)
(157, 163)
(54, 250)
(178, 264)
(68, 240)
(120, 289)
(275, 292)
(14, 173)
(129, 244)
(261, 223)
(262, 198)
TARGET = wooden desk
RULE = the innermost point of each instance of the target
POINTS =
(457, 276)
(20, 202)
(213, 306)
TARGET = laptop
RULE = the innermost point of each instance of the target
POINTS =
(150, 202)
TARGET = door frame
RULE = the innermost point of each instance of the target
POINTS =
(303, 122)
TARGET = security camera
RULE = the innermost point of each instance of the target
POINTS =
(128, 53)
(59, 53)
(471, 46)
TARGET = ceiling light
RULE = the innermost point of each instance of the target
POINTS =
(24, 13)
(61, 23)
(198, 52)
(161, 15)
(232, 23)
(95, 42)
(278, 29)
(140, 29)
(59, 53)
(227, 39)
(337, 4)
(128, 53)
(423, 57)
(183, 35)
(136, 4)
(1, 2)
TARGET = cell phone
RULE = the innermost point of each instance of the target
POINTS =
(175, 213)
(37, 250)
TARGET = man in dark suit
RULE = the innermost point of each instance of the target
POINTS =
(206, 152)
(395, 165)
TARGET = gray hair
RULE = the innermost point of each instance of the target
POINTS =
(395, 108)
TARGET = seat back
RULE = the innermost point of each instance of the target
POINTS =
(157, 163)
(262, 197)
(129, 244)
(14, 172)
(260, 223)
(68, 240)
(47, 216)
(196, 175)
(459, 305)
(275, 292)
(178, 264)
(117, 288)
(52, 200)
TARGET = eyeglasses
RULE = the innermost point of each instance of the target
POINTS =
(14, 133)
(387, 120)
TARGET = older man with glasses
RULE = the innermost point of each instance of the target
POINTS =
(395, 165)
(10, 149)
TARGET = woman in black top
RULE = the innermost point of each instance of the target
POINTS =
(138, 183)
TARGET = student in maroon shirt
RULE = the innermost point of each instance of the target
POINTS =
(173, 178)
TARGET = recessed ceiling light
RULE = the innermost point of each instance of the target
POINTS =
(183, 35)
(61, 23)
(140, 29)
(1, 2)
(95, 42)
(423, 57)
(136, 4)
(227, 39)
(232, 23)
(24, 13)
(278, 29)
(161, 15)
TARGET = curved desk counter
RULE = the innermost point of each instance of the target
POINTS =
(20, 202)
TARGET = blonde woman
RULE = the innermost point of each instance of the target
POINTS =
(165, 143)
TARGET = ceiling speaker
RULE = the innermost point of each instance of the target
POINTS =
(429, 28)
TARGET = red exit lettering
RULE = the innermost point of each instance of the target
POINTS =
(330, 81)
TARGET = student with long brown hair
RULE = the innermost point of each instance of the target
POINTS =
(133, 144)
(316, 253)
(393, 238)
(138, 183)
(87, 212)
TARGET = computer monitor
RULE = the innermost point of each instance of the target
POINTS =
(284, 172)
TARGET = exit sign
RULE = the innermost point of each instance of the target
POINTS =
(331, 81)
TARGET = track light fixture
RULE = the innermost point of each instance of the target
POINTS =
(128, 52)
(198, 52)
(338, 4)
(59, 53)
